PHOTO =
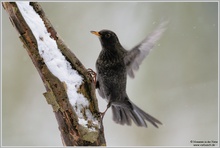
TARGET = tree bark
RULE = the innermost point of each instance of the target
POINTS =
(72, 133)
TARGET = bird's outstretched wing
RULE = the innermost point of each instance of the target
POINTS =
(136, 55)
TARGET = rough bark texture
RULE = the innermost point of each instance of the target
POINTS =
(72, 133)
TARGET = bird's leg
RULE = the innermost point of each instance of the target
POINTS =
(103, 113)
(93, 74)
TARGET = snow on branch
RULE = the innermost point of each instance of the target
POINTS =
(56, 62)
(80, 125)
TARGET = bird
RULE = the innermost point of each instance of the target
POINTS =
(113, 65)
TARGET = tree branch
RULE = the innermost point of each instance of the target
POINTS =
(75, 108)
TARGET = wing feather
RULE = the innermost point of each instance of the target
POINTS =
(136, 55)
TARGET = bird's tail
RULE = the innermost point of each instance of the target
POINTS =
(124, 115)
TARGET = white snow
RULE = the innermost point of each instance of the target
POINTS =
(55, 61)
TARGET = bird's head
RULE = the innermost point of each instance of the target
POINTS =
(107, 38)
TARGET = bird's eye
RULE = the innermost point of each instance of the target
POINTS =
(108, 35)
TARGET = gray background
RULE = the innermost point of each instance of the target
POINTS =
(177, 83)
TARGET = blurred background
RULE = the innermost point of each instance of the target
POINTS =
(177, 83)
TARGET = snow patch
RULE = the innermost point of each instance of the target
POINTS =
(56, 62)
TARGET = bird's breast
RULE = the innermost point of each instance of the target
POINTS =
(111, 75)
(105, 64)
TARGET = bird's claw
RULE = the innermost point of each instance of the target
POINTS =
(93, 74)
(103, 113)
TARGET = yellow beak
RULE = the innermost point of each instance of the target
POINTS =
(96, 33)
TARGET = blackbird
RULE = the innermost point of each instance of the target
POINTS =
(113, 65)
